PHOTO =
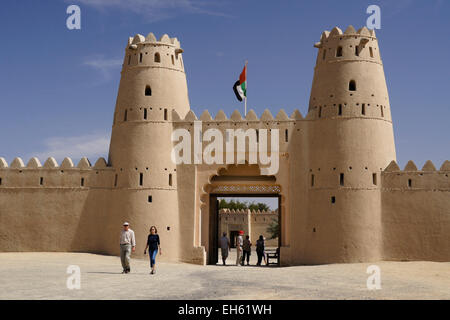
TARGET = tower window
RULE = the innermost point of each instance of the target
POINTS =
(0, 181)
(352, 85)
(257, 135)
(148, 91)
(82, 182)
(312, 180)
(409, 183)
(320, 112)
(149, 198)
(333, 199)
(371, 52)
(157, 57)
(286, 135)
(41, 181)
(129, 60)
(165, 114)
(341, 179)
(141, 179)
(374, 178)
(363, 109)
(115, 181)
(382, 112)
(340, 110)
(173, 61)
(357, 51)
(140, 57)
(339, 51)
(125, 116)
(145, 113)
(170, 179)
(324, 54)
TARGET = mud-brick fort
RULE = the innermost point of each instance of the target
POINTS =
(342, 196)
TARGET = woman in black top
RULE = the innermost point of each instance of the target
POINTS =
(153, 245)
(260, 249)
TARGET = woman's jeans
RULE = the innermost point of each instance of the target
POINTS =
(152, 255)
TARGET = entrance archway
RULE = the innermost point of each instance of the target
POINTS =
(248, 217)
(239, 181)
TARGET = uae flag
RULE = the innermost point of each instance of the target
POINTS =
(240, 86)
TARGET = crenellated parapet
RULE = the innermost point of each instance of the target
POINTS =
(351, 45)
(52, 175)
(248, 216)
(247, 211)
(237, 129)
(149, 52)
(412, 179)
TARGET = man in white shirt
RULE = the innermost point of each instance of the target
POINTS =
(239, 243)
(127, 244)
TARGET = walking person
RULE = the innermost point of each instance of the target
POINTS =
(239, 244)
(127, 245)
(153, 245)
(247, 250)
(225, 247)
(260, 250)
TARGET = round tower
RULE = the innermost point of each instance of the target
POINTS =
(152, 85)
(350, 140)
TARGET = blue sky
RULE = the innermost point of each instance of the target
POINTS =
(58, 86)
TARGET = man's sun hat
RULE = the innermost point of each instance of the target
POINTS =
(126, 224)
(241, 232)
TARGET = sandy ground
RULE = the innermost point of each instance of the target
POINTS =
(43, 276)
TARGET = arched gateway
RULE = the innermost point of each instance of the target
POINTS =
(236, 181)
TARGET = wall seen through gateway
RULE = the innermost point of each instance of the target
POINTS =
(255, 216)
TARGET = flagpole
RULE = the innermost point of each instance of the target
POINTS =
(245, 102)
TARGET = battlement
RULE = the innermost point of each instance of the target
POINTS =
(164, 40)
(410, 178)
(258, 212)
(237, 117)
(52, 175)
(148, 52)
(351, 45)
(349, 32)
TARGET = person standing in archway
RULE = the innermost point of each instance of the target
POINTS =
(247, 250)
(225, 247)
(239, 244)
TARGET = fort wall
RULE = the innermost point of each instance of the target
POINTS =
(53, 207)
(416, 212)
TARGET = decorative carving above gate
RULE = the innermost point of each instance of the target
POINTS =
(239, 188)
